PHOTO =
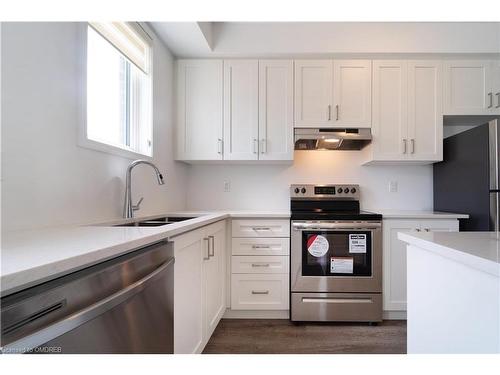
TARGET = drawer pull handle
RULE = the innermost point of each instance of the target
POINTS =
(260, 291)
(336, 300)
(261, 247)
(260, 228)
(260, 265)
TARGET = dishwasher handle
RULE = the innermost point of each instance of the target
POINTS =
(75, 320)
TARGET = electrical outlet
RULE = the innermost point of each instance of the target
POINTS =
(393, 186)
(227, 186)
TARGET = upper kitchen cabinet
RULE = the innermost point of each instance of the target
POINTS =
(313, 93)
(496, 87)
(352, 93)
(332, 93)
(469, 87)
(199, 110)
(276, 110)
(241, 109)
(425, 111)
(407, 111)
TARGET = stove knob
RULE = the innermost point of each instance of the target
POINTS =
(353, 190)
(296, 190)
(346, 190)
(339, 190)
(303, 190)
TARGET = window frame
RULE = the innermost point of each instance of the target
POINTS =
(83, 140)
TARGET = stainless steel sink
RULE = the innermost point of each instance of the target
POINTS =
(154, 222)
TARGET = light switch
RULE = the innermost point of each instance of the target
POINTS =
(393, 186)
(227, 186)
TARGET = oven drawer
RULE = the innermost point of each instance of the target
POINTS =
(261, 228)
(342, 307)
(259, 264)
(259, 292)
(261, 246)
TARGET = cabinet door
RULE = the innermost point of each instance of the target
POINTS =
(313, 93)
(425, 114)
(352, 93)
(496, 87)
(241, 107)
(394, 263)
(188, 297)
(199, 110)
(276, 109)
(214, 275)
(390, 112)
(467, 87)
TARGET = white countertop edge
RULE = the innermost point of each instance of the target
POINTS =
(467, 259)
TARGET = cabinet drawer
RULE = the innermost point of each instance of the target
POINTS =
(261, 228)
(259, 264)
(261, 246)
(259, 292)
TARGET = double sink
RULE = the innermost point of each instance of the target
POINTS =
(156, 222)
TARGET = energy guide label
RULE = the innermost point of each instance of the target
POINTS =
(357, 243)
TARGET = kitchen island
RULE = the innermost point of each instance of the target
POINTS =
(453, 285)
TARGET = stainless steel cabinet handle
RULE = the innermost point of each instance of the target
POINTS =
(337, 112)
(255, 145)
(219, 146)
(208, 248)
(211, 253)
(329, 112)
(490, 95)
(260, 228)
(263, 148)
(404, 146)
(260, 265)
(261, 247)
(498, 99)
(260, 291)
(412, 146)
(75, 320)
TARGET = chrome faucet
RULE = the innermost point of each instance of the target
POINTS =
(129, 208)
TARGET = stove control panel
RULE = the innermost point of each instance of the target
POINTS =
(332, 192)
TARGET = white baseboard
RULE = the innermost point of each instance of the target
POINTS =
(394, 315)
(256, 314)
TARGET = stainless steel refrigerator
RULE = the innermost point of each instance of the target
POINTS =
(467, 180)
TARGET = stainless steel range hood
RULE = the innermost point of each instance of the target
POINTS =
(331, 139)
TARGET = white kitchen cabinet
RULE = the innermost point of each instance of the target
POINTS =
(241, 109)
(390, 110)
(425, 111)
(496, 87)
(313, 93)
(394, 256)
(199, 286)
(352, 93)
(407, 124)
(199, 110)
(260, 291)
(468, 87)
(261, 228)
(276, 110)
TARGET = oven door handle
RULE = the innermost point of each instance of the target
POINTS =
(336, 226)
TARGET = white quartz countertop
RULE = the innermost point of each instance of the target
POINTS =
(480, 250)
(414, 214)
(29, 257)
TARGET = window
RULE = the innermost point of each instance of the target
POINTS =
(119, 102)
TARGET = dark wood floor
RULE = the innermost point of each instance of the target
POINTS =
(258, 336)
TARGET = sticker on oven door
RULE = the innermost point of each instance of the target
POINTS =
(357, 243)
(341, 265)
(317, 245)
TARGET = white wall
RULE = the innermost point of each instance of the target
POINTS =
(267, 187)
(46, 178)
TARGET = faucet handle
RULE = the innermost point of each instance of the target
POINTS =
(138, 205)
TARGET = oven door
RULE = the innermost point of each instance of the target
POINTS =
(336, 256)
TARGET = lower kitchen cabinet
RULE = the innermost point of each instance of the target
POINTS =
(199, 284)
(260, 264)
(394, 258)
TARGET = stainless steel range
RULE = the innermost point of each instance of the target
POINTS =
(336, 256)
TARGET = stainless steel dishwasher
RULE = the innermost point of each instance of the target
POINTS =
(123, 305)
